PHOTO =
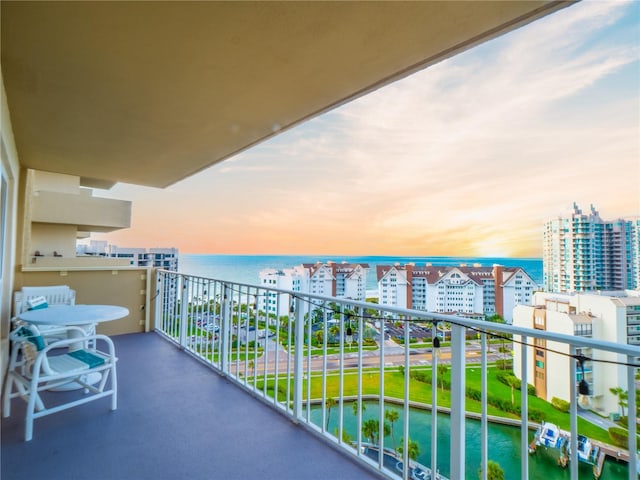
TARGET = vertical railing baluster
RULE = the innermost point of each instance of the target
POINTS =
(217, 342)
(184, 312)
(265, 356)
(246, 348)
(341, 376)
(308, 403)
(359, 396)
(381, 397)
(325, 332)
(276, 370)
(573, 415)
(457, 401)
(225, 327)
(524, 410)
(434, 398)
(631, 419)
(289, 320)
(298, 360)
(484, 434)
(405, 404)
(254, 359)
(157, 301)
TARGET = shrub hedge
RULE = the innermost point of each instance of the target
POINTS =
(620, 436)
(560, 404)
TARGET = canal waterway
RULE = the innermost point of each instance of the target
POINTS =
(504, 445)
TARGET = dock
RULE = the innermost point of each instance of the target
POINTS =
(560, 440)
(597, 468)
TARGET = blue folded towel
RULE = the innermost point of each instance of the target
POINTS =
(87, 357)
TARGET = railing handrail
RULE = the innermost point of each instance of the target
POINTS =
(421, 315)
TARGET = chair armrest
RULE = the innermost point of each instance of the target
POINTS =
(70, 341)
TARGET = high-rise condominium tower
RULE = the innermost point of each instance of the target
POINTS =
(582, 252)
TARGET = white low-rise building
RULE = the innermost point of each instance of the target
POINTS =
(341, 280)
(472, 290)
(606, 316)
(165, 258)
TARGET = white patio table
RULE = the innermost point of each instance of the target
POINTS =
(74, 316)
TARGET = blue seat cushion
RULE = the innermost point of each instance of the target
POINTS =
(87, 357)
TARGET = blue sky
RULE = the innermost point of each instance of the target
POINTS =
(467, 157)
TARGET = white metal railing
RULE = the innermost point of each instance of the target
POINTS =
(309, 358)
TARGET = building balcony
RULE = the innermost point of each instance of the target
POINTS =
(84, 211)
(201, 401)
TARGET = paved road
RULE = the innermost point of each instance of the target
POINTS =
(597, 420)
(393, 356)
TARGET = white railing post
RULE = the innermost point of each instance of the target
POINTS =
(298, 360)
(573, 415)
(225, 329)
(405, 406)
(361, 326)
(381, 396)
(434, 401)
(184, 312)
(524, 411)
(631, 419)
(158, 301)
(484, 427)
(457, 401)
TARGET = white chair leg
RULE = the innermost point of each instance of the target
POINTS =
(114, 387)
(6, 400)
(31, 404)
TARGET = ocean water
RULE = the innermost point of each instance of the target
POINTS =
(246, 268)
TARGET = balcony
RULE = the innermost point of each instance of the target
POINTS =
(178, 421)
(222, 391)
(87, 213)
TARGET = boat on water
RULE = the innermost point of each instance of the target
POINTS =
(559, 442)
(587, 452)
(549, 435)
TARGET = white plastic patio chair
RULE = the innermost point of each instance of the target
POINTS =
(33, 367)
(54, 295)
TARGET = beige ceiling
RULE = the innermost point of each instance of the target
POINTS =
(150, 93)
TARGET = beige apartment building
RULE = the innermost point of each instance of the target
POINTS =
(605, 316)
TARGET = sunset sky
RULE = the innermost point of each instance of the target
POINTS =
(468, 157)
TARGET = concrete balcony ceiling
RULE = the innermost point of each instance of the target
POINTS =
(152, 92)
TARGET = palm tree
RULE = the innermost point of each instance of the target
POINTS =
(622, 395)
(413, 450)
(442, 371)
(334, 330)
(392, 416)
(358, 406)
(371, 428)
(329, 403)
(512, 380)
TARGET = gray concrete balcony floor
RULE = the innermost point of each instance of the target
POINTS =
(176, 419)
